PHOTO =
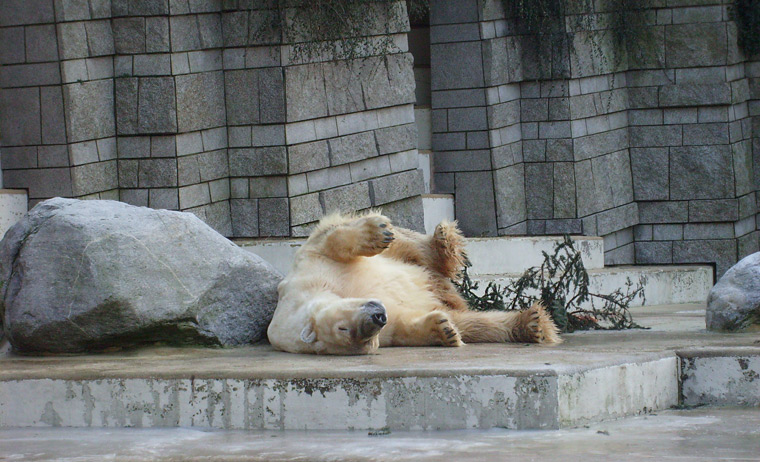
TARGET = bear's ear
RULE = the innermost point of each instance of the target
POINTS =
(308, 335)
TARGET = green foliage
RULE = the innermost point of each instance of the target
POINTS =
(561, 284)
(747, 16)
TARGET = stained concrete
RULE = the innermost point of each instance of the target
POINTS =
(593, 376)
(703, 434)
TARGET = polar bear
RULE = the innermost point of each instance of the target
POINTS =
(358, 284)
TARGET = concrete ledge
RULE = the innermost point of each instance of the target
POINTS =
(722, 376)
(593, 376)
(663, 285)
(13, 206)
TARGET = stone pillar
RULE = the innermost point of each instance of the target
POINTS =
(350, 133)
(648, 145)
(56, 100)
(187, 105)
(691, 150)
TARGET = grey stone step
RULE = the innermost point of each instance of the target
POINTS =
(489, 255)
(663, 285)
(593, 376)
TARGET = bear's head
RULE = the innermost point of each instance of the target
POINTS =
(348, 328)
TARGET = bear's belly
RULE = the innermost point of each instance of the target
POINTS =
(401, 287)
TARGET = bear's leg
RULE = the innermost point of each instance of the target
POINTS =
(533, 325)
(442, 254)
(358, 237)
(433, 328)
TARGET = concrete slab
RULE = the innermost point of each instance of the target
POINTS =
(699, 435)
(663, 285)
(593, 376)
(13, 203)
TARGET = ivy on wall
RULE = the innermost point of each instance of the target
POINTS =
(336, 29)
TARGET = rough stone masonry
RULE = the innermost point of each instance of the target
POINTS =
(180, 104)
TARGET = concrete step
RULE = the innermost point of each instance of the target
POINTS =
(489, 255)
(593, 376)
(705, 434)
(13, 206)
(437, 208)
(663, 285)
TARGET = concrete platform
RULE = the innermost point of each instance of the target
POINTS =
(698, 435)
(663, 285)
(593, 376)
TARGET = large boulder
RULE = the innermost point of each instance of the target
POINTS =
(87, 275)
(734, 302)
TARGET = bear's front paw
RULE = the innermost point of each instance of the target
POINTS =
(536, 326)
(377, 235)
(443, 329)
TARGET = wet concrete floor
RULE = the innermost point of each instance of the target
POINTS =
(702, 434)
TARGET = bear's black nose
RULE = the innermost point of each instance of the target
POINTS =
(376, 312)
(380, 319)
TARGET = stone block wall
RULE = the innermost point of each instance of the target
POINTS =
(651, 149)
(188, 105)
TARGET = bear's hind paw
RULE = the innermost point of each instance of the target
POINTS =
(536, 326)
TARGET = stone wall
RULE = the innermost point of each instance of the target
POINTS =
(187, 105)
(651, 149)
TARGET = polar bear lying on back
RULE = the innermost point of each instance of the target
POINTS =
(358, 284)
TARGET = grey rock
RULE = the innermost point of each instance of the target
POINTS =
(734, 302)
(129, 35)
(132, 281)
